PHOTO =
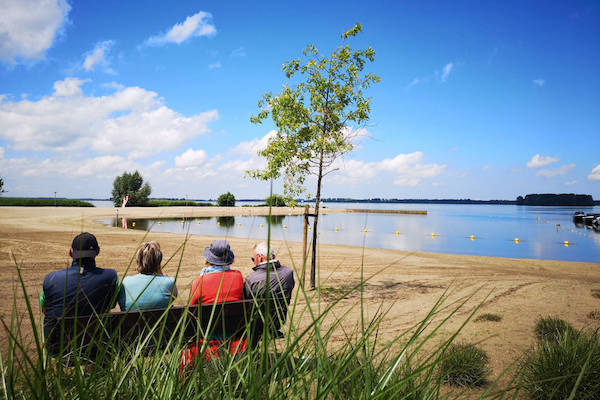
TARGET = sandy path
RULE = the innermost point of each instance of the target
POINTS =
(405, 284)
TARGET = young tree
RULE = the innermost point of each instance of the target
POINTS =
(314, 114)
(226, 200)
(133, 186)
(2, 185)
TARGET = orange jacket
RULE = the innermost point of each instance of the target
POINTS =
(222, 286)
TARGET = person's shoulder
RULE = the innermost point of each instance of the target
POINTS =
(106, 272)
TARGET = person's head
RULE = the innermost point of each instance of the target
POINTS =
(148, 258)
(260, 251)
(84, 245)
(219, 253)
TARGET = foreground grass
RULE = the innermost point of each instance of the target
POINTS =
(33, 202)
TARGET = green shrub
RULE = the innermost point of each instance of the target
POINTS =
(551, 328)
(488, 317)
(464, 365)
(276, 201)
(226, 200)
(552, 369)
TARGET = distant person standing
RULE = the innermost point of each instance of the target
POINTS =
(149, 288)
(82, 289)
(280, 280)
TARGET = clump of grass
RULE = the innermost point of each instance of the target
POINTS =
(567, 366)
(488, 317)
(464, 365)
(596, 293)
(552, 328)
(595, 315)
(42, 202)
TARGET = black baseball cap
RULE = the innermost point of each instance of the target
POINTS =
(85, 245)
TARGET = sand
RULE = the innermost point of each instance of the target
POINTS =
(404, 284)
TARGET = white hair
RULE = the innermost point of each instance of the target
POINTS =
(261, 249)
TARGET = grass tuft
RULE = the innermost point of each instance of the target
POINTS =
(488, 317)
(595, 315)
(596, 293)
(464, 365)
(552, 328)
(567, 366)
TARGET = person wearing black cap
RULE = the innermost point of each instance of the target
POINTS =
(82, 288)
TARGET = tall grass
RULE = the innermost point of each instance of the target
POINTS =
(34, 202)
(306, 363)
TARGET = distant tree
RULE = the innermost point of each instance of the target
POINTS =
(131, 185)
(226, 200)
(276, 200)
(2, 186)
(313, 115)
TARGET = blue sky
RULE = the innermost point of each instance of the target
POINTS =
(486, 100)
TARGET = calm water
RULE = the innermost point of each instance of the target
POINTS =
(542, 231)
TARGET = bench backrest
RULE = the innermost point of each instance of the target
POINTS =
(154, 328)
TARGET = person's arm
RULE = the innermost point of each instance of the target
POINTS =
(174, 291)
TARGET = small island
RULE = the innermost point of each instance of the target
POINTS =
(549, 199)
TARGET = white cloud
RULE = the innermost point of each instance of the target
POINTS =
(541, 161)
(407, 168)
(195, 25)
(239, 52)
(97, 57)
(559, 171)
(215, 65)
(539, 82)
(570, 183)
(190, 158)
(595, 173)
(29, 27)
(68, 87)
(1, 152)
(255, 145)
(446, 71)
(132, 120)
(412, 83)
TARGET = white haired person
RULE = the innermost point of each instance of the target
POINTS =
(149, 288)
(280, 284)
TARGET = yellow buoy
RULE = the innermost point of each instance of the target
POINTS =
(397, 233)
(159, 222)
(239, 224)
(516, 240)
(432, 234)
(198, 222)
(365, 231)
(218, 223)
(285, 227)
(261, 225)
(472, 237)
(133, 223)
(309, 228)
(566, 243)
(336, 229)
(182, 222)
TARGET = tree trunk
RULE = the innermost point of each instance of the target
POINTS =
(313, 263)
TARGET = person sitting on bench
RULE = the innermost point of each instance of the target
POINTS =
(83, 288)
(149, 288)
(217, 283)
(280, 285)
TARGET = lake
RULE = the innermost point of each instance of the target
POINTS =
(485, 230)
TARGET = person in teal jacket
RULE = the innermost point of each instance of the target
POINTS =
(149, 289)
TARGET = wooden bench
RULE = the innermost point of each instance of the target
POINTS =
(156, 329)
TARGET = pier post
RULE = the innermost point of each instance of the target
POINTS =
(304, 244)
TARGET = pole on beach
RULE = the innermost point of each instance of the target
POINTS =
(304, 244)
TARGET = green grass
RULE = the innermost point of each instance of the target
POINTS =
(488, 317)
(552, 328)
(33, 202)
(565, 368)
(177, 203)
(464, 365)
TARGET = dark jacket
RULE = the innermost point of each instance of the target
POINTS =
(281, 283)
(84, 290)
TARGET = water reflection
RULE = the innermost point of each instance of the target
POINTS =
(542, 232)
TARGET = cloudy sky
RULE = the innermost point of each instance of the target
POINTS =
(484, 100)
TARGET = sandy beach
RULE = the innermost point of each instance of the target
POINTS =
(404, 284)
